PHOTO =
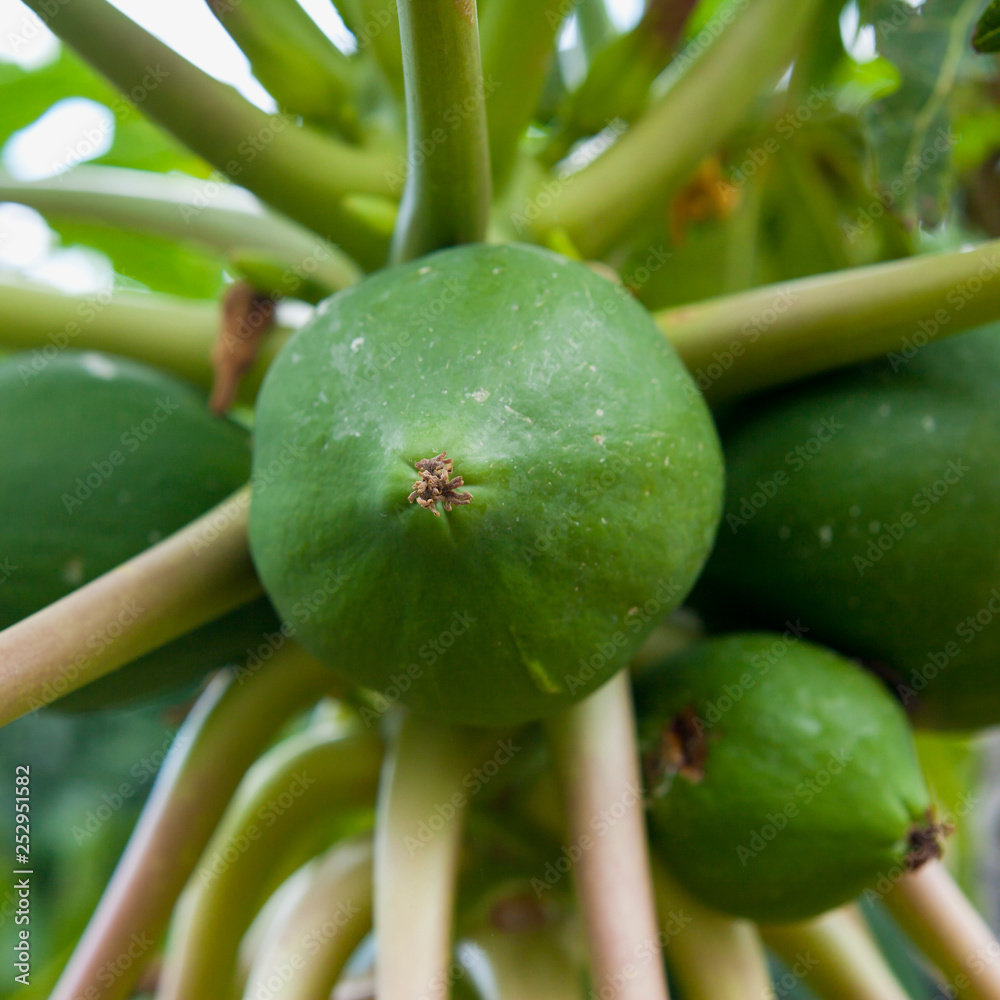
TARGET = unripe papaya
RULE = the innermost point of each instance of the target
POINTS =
(487, 477)
(865, 504)
(101, 457)
(782, 778)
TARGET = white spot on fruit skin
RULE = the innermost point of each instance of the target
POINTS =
(72, 572)
(784, 532)
(874, 527)
(99, 367)
(481, 395)
(424, 270)
(599, 438)
(825, 536)
(855, 511)
(357, 344)
(600, 413)
(929, 424)
(666, 461)
(884, 410)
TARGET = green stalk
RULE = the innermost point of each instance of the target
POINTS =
(712, 956)
(946, 927)
(594, 746)
(305, 72)
(296, 170)
(743, 343)
(168, 332)
(320, 924)
(303, 780)
(847, 962)
(446, 197)
(416, 863)
(225, 219)
(518, 49)
(189, 579)
(231, 723)
(713, 84)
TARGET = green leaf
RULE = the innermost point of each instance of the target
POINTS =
(911, 129)
(25, 95)
(160, 264)
(986, 37)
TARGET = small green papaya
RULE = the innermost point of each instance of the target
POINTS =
(865, 503)
(100, 458)
(783, 779)
(480, 480)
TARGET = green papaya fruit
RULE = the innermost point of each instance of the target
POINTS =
(100, 458)
(865, 504)
(782, 778)
(480, 479)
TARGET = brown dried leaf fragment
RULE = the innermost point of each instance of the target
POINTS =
(247, 316)
(437, 484)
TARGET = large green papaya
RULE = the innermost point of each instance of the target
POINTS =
(492, 477)
(783, 779)
(865, 503)
(101, 457)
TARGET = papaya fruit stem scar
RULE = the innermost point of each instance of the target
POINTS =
(436, 483)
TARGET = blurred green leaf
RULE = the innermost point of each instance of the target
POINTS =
(158, 263)
(986, 37)
(911, 129)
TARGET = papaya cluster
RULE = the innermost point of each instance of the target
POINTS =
(551, 479)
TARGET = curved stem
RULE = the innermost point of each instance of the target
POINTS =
(320, 925)
(228, 727)
(946, 927)
(191, 578)
(838, 955)
(446, 198)
(594, 745)
(176, 206)
(750, 341)
(418, 833)
(305, 72)
(521, 965)
(518, 49)
(298, 171)
(169, 332)
(715, 80)
(302, 780)
(714, 957)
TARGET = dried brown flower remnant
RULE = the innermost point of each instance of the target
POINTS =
(682, 749)
(436, 483)
(925, 842)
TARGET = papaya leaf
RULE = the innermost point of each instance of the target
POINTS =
(25, 95)
(910, 130)
(163, 265)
